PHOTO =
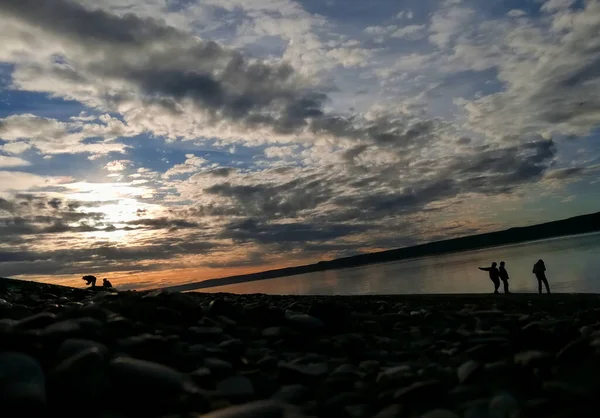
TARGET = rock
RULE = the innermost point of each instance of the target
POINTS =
(80, 377)
(4, 304)
(234, 345)
(236, 387)
(73, 346)
(291, 394)
(420, 391)
(202, 376)
(469, 371)
(37, 321)
(274, 332)
(532, 358)
(503, 406)
(574, 351)
(304, 322)
(218, 366)
(258, 409)
(440, 413)
(347, 370)
(392, 411)
(151, 380)
(393, 373)
(312, 371)
(22, 385)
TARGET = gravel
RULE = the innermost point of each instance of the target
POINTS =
(83, 352)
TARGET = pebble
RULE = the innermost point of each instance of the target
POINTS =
(258, 409)
(304, 322)
(236, 386)
(354, 357)
(440, 413)
(22, 383)
(147, 377)
(469, 371)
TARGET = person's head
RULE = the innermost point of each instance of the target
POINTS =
(540, 261)
(502, 263)
(494, 264)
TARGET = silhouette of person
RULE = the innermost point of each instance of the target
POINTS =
(89, 280)
(494, 275)
(503, 276)
(106, 283)
(539, 269)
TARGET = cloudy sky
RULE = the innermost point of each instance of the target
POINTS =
(167, 141)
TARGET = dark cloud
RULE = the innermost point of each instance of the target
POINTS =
(220, 81)
(7, 206)
(275, 200)
(251, 230)
(163, 223)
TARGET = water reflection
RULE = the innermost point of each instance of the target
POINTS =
(573, 265)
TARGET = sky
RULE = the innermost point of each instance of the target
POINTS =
(159, 142)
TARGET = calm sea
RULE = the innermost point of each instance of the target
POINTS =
(573, 265)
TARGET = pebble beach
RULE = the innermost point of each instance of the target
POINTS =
(92, 353)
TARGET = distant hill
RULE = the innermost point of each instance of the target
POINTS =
(572, 226)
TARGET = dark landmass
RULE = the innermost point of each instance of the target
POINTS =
(77, 352)
(572, 226)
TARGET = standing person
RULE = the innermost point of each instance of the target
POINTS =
(539, 269)
(503, 276)
(494, 275)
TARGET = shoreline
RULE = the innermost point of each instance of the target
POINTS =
(159, 354)
(396, 255)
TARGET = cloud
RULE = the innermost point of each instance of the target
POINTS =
(18, 180)
(118, 165)
(192, 164)
(51, 136)
(12, 161)
(549, 69)
(413, 32)
(516, 13)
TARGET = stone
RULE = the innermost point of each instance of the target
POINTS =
(37, 321)
(420, 391)
(504, 406)
(22, 384)
(469, 371)
(574, 351)
(440, 413)
(73, 346)
(308, 371)
(532, 358)
(292, 394)
(236, 386)
(258, 409)
(148, 378)
(304, 322)
(392, 411)
(217, 365)
(393, 373)
(81, 376)
(235, 345)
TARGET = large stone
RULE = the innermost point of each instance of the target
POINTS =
(236, 387)
(151, 380)
(22, 385)
(259, 409)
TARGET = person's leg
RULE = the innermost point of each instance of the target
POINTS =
(505, 286)
(496, 286)
(539, 285)
(546, 284)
